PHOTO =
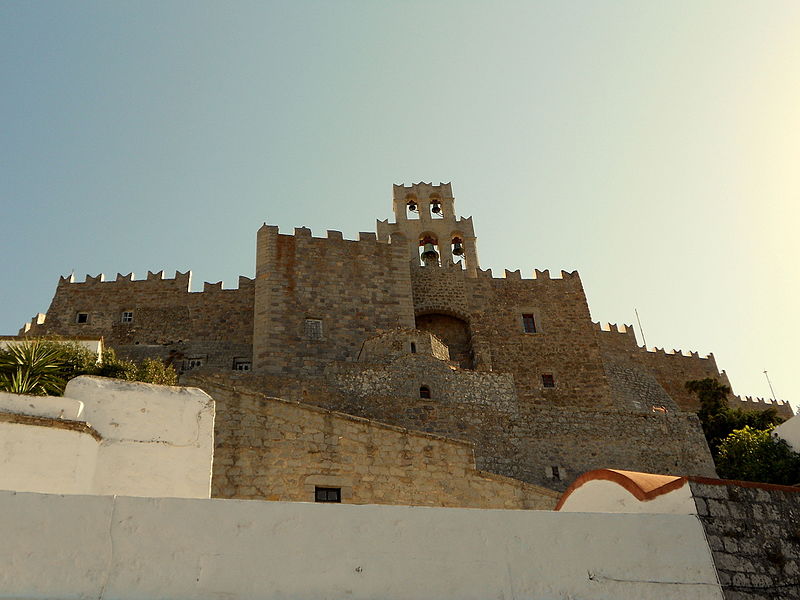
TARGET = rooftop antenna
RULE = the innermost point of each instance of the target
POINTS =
(644, 341)
(770, 384)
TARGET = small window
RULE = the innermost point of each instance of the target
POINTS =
(313, 329)
(82, 317)
(424, 391)
(241, 364)
(528, 323)
(556, 473)
(413, 348)
(127, 316)
(548, 380)
(326, 494)
(194, 363)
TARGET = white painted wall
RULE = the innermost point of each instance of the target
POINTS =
(789, 430)
(156, 441)
(609, 497)
(126, 548)
(45, 459)
(161, 436)
(51, 407)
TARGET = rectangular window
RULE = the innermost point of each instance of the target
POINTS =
(194, 363)
(313, 329)
(548, 380)
(82, 317)
(241, 364)
(528, 323)
(556, 473)
(127, 316)
(325, 494)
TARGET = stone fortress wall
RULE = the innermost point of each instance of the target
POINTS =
(512, 365)
(352, 289)
(169, 321)
(672, 370)
(273, 449)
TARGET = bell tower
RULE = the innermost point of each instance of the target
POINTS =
(425, 219)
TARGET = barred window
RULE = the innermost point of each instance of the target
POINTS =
(127, 316)
(326, 494)
(313, 329)
(194, 363)
(241, 364)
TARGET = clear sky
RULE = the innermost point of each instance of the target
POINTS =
(653, 146)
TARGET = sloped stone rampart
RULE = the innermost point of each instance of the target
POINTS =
(274, 449)
(523, 441)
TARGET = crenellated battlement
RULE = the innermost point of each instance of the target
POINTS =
(154, 281)
(537, 275)
(674, 352)
(614, 328)
(422, 190)
(749, 403)
(180, 281)
(305, 233)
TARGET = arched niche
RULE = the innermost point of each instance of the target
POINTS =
(425, 238)
(453, 331)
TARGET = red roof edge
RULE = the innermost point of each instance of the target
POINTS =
(643, 486)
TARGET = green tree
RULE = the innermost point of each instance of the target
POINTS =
(752, 454)
(717, 420)
(43, 367)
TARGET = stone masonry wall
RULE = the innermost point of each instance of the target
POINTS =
(563, 345)
(754, 534)
(280, 450)
(623, 356)
(511, 438)
(356, 289)
(168, 319)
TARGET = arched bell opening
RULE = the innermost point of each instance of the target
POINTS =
(457, 247)
(428, 249)
(436, 207)
(454, 332)
(412, 207)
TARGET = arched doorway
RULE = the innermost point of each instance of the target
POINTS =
(452, 331)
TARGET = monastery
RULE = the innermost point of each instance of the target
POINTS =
(401, 331)
(342, 416)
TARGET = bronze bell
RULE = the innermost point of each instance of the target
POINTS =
(458, 249)
(412, 206)
(436, 208)
(429, 252)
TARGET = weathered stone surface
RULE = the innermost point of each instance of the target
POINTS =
(753, 531)
(274, 449)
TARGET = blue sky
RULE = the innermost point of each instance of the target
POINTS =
(652, 146)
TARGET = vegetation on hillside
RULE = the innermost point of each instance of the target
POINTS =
(43, 367)
(741, 442)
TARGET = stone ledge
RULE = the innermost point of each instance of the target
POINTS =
(79, 426)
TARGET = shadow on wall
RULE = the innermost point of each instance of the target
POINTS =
(454, 332)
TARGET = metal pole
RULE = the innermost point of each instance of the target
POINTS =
(644, 341)
(770, 385)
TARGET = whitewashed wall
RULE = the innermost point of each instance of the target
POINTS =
(126, 548)
(156, 441)
(789, 430)
(610, 497)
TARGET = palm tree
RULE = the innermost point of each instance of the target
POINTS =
(32, 367)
